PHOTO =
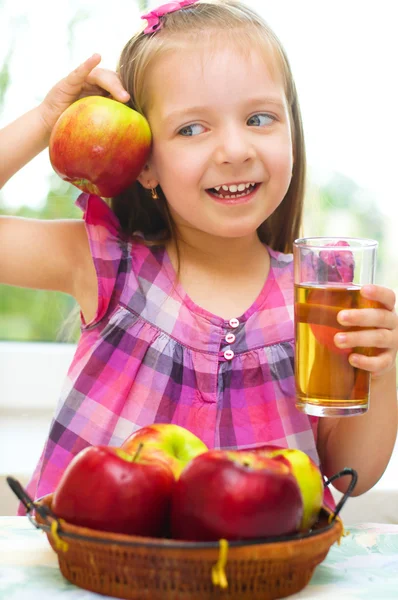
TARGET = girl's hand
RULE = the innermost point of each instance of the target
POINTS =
(381, 331)
(86, 80)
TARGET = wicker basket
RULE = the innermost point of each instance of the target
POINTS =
(135, 568)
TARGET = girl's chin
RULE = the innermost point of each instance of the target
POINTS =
(235, 231)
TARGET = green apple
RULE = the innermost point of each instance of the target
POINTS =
(166, 442)
(308, 477)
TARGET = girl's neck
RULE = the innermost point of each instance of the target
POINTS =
(220, 254)
(224, 278)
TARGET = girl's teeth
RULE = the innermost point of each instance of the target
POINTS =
(235, 191)
(234, 196)
(234, 188)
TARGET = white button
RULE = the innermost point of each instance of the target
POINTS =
(228, 354)
(234, 323)
(230, 338)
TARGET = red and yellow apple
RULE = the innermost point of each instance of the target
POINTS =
(321, 302)
(235, 495)
(100, 145)
(166, 442)
(308, 476)
(107, 489)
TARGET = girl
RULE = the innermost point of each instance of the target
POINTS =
(185, 281)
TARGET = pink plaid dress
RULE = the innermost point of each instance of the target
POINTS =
(151, 355)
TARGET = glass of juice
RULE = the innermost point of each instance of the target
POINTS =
(328, 276)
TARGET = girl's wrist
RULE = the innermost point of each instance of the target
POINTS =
(47, 117)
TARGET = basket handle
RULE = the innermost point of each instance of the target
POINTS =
(350, 489)
(44, 511)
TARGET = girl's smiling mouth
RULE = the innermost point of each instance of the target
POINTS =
(236, 193)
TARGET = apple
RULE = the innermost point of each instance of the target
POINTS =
(107, 489)
(324, 333)
(166, 442)
(234, 495)
(100, 145)
(322, 308)
(339, 265)
(336, 267)
(308, 476)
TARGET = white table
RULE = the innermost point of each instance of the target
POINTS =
(364, 566)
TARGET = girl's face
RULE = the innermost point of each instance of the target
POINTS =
(218, 118)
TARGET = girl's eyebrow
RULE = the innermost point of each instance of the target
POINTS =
(278, 101)
(178, 115)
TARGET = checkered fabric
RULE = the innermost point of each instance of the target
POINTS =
(151, 355)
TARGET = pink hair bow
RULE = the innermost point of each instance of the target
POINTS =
(153, 17)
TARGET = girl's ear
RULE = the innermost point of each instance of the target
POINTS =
(147, 177)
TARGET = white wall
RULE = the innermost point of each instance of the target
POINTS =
(31, 374)
(31, 377)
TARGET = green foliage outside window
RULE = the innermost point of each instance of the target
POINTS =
(40, 315)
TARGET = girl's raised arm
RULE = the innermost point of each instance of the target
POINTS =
(49, 254)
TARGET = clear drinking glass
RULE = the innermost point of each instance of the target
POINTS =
(328, 275)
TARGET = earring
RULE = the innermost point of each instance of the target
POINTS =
(154, 194)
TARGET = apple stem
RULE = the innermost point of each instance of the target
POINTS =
(138, 451)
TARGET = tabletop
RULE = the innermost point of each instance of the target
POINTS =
(363, 567)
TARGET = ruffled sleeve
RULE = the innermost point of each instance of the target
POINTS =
(107, 248)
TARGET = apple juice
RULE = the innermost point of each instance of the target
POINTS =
(326, 383)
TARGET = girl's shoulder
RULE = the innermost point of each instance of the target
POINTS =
(102, 226)
(282, 278)
(123, 265)
(97, 212)
(280, 259)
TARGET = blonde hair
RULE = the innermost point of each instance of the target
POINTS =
(246, 29)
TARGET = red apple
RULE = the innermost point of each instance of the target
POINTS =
(324, 333)
(166, 442)
(234, 495)
(107, 489)
(308, 476)
(100, 145)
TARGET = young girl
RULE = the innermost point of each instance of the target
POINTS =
(185, 282)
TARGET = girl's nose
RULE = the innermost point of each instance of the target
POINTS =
(234, 146)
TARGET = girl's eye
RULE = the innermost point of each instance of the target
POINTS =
(261, 120)
(190, 130)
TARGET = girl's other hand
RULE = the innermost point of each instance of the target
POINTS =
(381, 331)
(86, 80)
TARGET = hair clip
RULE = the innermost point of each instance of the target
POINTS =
(153, 17)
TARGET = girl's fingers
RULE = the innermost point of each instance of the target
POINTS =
(108, 81)
(79, 75)
(380, 294)
(380, 330)
(368, 338)
(86, 80)
(368, 317)
(374, 364)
